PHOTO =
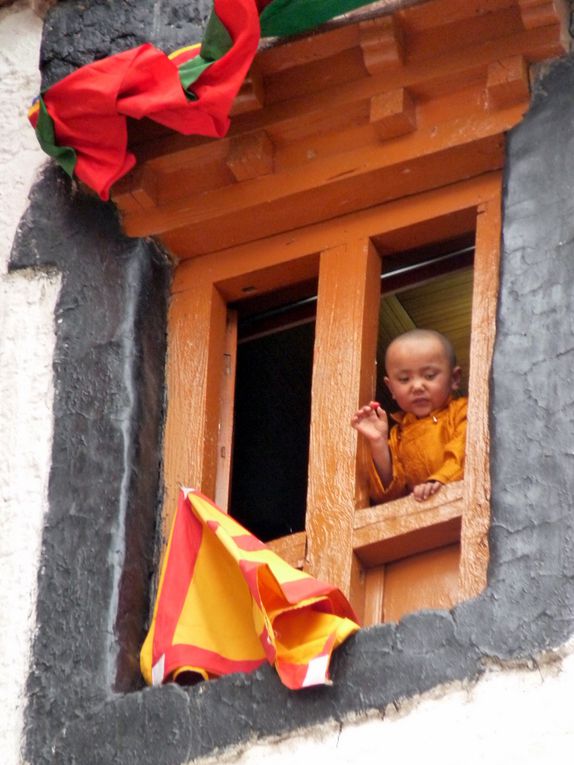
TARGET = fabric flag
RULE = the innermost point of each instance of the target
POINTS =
(226, 603)
(81, 121)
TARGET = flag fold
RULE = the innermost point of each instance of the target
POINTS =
(226, 603)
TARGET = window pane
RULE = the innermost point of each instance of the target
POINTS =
(442, 303)
(271, 434)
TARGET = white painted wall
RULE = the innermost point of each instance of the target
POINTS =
(511, 716)
(27, 302)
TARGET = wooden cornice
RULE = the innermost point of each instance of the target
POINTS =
(340, 121)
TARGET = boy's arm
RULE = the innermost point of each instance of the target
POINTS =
(386, 474)
(397, 486)
(371, 421)
(381, 455)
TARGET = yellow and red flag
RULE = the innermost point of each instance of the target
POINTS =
(81, 121)
(226, 603)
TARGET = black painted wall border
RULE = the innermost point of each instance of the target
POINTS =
(108, 371)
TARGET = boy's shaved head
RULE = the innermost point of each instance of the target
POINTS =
(425, 334)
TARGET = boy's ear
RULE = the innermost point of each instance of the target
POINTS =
(455, 378)
(389, 385)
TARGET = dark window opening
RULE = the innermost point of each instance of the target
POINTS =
(271, 422)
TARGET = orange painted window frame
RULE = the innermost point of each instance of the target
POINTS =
(341, 543)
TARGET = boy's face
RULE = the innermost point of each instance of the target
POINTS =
(420, 375)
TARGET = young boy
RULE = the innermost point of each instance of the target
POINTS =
(426, 446)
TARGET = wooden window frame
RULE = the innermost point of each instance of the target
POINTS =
(340, 542)
(356, 125)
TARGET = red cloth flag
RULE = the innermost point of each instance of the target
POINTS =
(88, 110)
(226, 603)
(81, 121)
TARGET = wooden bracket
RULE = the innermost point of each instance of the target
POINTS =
(138, 190)
(251, 94)
(382, 43)
(393, 114)
(507, 82)
(250, 156)
(543, 13)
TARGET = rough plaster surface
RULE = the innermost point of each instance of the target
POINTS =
(511, 714)
(20, 155)
(108, 378)
(103, 489)
(26, 346)
(78, 33)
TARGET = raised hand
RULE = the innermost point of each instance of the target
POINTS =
(372, 422)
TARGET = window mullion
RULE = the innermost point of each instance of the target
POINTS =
(343, 377)
(476, 519)
(197, 327)
(226, 408)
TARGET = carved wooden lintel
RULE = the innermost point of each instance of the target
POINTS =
(250, 156)
(393, 114)
(382, 43)
(143, 186)
(542, 13)
(251, 95)
(507, 82)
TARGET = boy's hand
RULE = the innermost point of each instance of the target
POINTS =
(371, 421)
(425, 490)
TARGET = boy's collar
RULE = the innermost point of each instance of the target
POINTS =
(406, 418)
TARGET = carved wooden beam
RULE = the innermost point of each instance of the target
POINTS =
(382, 43)
(251, 95)
(542, 13)
(507, 82)
(250, 156)
(393, 114)
(137, 191)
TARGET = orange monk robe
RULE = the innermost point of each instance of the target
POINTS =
(428, 449)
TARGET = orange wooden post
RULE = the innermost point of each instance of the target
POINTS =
(343, 377)
(476, 519)
(197, 327)
(226, 409)
(374, 596)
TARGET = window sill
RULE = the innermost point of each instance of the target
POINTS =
(387, 532)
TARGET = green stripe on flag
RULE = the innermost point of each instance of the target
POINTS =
(191, 71)
(215, 44)
(291, 17)
(65, 156)
(216, 40)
